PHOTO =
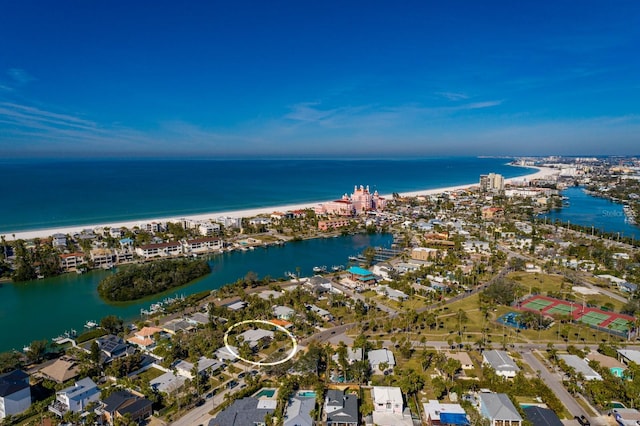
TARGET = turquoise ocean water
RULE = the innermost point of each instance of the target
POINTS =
(45, 193)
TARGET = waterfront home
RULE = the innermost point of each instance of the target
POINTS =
(329, 224)
(340, 409)
(61, 370)
(438, 413)
(123, 403)
(126, 243)
(299, 409)
(152, 227)
(260, 221)
(173, 248)
(501, 363)
(201, 245)
(101, 257)
(383, 356)
(318, 285)
(116, 233)
(229, 222)
(15, 393)
(579, 365)
(75, 398)
(71, 261)
(111, 347)
(208, 229)
(499, 410)
(59, 241)
(145, 337)
(361, 275)
(178, 325)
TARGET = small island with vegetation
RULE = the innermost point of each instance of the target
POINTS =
(139, 281)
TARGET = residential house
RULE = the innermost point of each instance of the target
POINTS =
(59, 241)
(319, 285)
(388, 407)
(377, 357)
(464, 358)
(205, 366)
(61, 370)
(353, 355)
(75, 398)
(167, 383)
(326, 225)
(499, 410)
(201, 245)
(111, 347)
(173, 248)
(71, 261)
(616, 367)
(257, 337)
(283, 312)
(224, 354)
(341, 409)
(539, 416)
(322, 313)
(391, 293)
(501, 362)
(580, 366)
(116, 233)
(437, 413)
(123, 403)
(15, 393)
(299, 408)
(101, 257)
(361, 275)
(424, 253)
(126, 243)
(208, 229)
(144, 337)
(247, 411)
(629, 355)
(387, 399)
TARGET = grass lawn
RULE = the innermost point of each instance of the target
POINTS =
(150, 374)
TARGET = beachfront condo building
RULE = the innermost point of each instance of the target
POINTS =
(493, 182)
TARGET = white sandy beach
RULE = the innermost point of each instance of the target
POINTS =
(542, 172)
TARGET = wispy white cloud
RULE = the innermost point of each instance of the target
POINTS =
(453, 96)
(19, 76)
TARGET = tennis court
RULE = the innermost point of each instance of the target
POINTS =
(593, 318)
(619, 324)
(561, 309)
(537, 304)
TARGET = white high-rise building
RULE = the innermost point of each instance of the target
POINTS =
(493, 182)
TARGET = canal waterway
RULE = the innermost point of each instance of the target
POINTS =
(44, 309)
(588, 210)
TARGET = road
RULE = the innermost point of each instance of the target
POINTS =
(554, 381)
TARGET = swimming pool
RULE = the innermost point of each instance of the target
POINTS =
(307, 394)
(268, 393)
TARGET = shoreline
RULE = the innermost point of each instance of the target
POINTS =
(541, 172)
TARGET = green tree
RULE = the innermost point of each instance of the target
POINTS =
(112, 324)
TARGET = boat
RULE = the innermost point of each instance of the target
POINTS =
(319, 269)
(336, 268)
(90, 324)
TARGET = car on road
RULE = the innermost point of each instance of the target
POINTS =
(241, 375)
(232, 384)
(582, 420)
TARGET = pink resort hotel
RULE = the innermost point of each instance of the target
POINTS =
(361, 201)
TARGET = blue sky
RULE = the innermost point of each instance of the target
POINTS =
(311, 78)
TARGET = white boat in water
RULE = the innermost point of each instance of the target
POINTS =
(319, 269)
(90, 324)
